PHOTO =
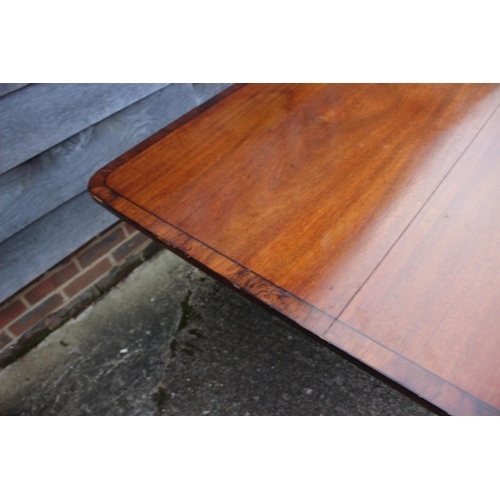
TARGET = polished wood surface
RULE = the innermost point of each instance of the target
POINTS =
(435, 298)
(312, 199)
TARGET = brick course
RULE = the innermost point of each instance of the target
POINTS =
(129, 229)
(35, 315)
(88, 277)
(50, 283)
(11, 311)
(5, 339)
(72, 285)
(128, 247)
(101, 247)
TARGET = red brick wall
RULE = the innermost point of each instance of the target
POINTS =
(69, 287)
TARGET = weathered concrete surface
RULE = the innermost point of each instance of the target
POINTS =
(193, 348)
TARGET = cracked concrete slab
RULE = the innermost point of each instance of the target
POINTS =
(170, 340)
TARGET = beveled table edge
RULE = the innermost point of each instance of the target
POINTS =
(445, 396)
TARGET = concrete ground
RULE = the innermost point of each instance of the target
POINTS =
(169, 340)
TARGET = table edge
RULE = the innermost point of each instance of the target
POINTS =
(256, 288)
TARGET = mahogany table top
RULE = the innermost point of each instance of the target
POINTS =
(368, 214)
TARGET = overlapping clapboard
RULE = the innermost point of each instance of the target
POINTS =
(53, 137)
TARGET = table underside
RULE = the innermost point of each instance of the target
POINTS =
(367, 214)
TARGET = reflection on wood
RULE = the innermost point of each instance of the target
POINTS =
(295, 195)
(435, 297)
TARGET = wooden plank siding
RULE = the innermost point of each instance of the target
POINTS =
(52, 178)
(39, 116)
(7, 88)
(204, 91)
(45, 211)
(43, 244)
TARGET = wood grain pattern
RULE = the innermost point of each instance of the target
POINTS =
(435, 296)
(406, 372)
(57, 175)
(53, 112)
(347, 150)
(298, 192)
